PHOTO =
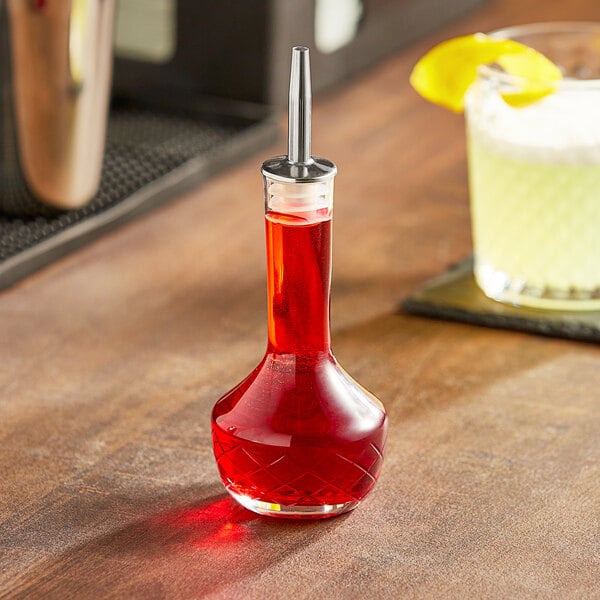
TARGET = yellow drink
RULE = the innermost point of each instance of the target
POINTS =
(535, 198)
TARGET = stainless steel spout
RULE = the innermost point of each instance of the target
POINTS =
(299, 107)
(299, 166)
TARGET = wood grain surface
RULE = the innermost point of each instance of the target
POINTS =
(111, 359)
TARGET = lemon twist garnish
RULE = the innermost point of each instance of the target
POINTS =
(446, 72)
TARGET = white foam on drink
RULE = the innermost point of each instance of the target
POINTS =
(562, 128)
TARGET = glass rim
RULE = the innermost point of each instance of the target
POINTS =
(494, 73)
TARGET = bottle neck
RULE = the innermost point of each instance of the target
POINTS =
(298, 281)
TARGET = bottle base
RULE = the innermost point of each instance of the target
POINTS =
(281, 511)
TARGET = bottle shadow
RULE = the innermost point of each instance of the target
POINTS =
(188, 550)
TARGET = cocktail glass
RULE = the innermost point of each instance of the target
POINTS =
(534, 175)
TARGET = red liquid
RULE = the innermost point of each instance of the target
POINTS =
(298, 282)
(299, 431)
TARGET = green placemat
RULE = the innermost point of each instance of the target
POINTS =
(455, 296)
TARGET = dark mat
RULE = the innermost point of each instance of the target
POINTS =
(151, 155)
(455, 296)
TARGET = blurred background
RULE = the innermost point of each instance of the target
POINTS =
(112, 107)
(240, 50)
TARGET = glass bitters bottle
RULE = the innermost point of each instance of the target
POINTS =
(298, 437)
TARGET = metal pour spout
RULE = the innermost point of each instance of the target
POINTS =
(299, 109)
(299, 166)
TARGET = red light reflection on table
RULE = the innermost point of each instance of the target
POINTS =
(218, 522)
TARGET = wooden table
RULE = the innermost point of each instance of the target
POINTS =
(112, 358)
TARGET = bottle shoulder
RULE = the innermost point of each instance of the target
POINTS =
(302, 396)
